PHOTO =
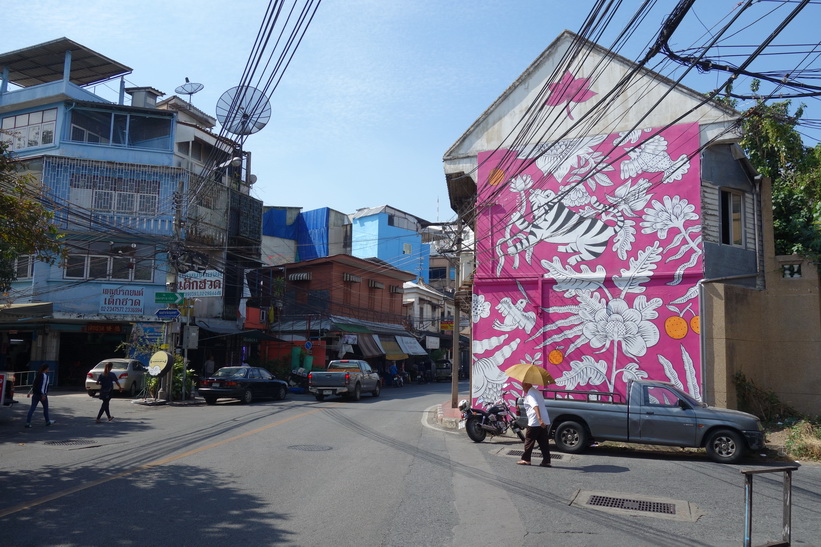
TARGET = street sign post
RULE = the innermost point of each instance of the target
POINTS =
(169, 297)
(167, 314)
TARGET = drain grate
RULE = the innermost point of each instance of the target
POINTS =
(309, 447)
(78, 442)
(536, 453)
(633, 504)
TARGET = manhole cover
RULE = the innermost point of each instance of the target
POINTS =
(79, 442)
(633, 505)
(310, 447)
(536, 454)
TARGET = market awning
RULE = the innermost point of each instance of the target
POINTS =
(392, 350)
(410, 346)
(369, 345)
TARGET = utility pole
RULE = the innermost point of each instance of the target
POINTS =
(457, 320)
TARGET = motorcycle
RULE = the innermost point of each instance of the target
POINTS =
(494, 419)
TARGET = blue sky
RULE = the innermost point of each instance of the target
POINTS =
(377, 92)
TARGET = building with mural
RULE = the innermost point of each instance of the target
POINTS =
(606, 239)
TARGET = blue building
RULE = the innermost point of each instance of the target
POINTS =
(126, 186)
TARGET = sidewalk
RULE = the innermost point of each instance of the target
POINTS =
(447, 416)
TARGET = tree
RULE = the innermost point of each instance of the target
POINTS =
(774, 146)
(26, 226)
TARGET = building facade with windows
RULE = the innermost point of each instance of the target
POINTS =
(127, 187)
(630, 240)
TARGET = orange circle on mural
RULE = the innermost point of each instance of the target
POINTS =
(676, 327)
(496, 177)
(555, 357)
(695, 324)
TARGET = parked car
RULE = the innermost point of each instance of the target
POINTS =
(346, 378)
(243, 383)
(442, 369)
(130, 373)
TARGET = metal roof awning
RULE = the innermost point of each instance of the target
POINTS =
(22, 312)
(350, 327)
(45, 62)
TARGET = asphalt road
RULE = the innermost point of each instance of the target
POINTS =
(374, 472)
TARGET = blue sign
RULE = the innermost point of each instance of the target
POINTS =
(167, 314)
(308, 345)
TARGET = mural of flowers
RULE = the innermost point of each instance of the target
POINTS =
(592, 261)
(480, 308)
(569, 90)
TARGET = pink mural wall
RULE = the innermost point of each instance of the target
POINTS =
(588, 256)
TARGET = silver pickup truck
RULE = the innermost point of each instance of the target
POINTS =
(347, 378)
(654, 413)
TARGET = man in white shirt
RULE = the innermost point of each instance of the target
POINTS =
(538, 424)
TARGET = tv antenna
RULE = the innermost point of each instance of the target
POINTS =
(189, 88)
(243, 110)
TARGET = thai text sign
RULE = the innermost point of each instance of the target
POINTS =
(199, 284)
(122, 299)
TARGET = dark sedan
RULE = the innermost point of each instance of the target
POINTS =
(243, 383)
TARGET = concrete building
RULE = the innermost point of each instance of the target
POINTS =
(145, 193)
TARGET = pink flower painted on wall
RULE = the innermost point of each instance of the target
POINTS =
(569, 90)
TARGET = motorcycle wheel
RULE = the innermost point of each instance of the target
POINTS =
(474, 430)
(520, 434)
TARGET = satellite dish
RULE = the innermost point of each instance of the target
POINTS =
(243, 110)
(189, 88)
(160, 363)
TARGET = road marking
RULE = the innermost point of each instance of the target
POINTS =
(57, 495)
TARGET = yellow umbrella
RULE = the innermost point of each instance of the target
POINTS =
(528, 373)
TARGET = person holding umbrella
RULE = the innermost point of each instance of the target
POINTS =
(538, 421)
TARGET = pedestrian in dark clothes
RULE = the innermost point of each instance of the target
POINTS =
(107, 380)
(39, 394)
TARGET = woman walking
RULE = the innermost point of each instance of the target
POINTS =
(107, 380)
(40, 392)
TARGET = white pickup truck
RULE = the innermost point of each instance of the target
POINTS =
(347, 378)
(655, 413)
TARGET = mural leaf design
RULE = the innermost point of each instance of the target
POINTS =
(690, 371)
(588, 371)
(679, 275)
(571, 281)
(569, 90)
(623, 242)
(691, 293)
(632, 372)
(640, 270)
(670, 371)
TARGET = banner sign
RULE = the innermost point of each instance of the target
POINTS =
(201, 284)
(122, 299)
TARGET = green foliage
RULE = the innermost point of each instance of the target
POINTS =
(762, 403)
(773, 144)
(804, 440)
(281, 368)
(26, 226)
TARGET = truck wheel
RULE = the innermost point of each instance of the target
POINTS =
(357, 392)
(725, 446)
(92, 393)
(376, 390)
(319, 397)
(210, 400)
(247, 397)
(571, 437)
(474, 430)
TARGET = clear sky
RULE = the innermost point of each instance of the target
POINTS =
(377, 92)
